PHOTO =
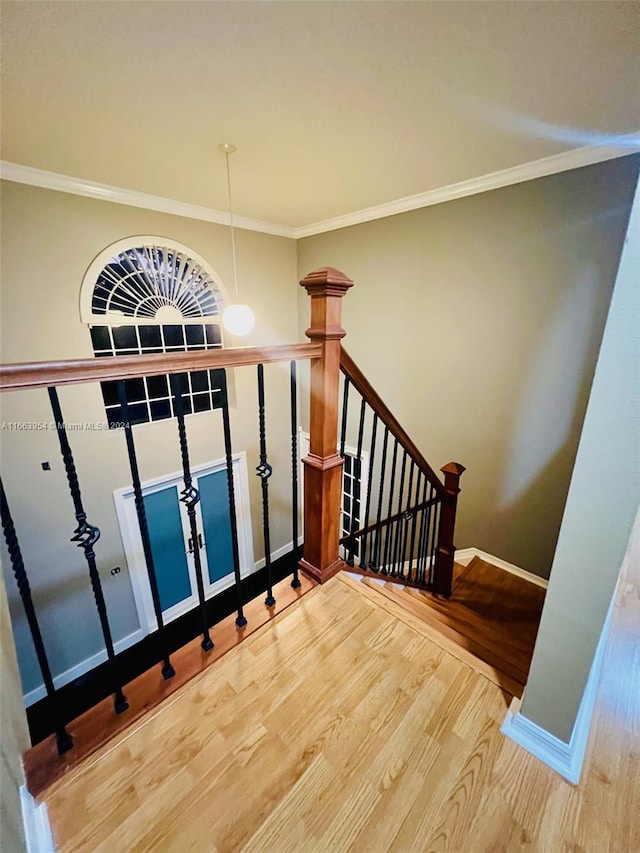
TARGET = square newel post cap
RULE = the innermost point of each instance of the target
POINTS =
(452, 472)
(326, 282)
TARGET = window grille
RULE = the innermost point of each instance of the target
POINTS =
(145, 296)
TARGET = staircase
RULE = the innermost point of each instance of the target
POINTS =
(491, 620)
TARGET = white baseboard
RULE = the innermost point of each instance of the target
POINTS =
(565, 758)
(465, 555)
(279, 552)
(35, 819)
(84, 666)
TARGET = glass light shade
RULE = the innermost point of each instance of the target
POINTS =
(239, 320)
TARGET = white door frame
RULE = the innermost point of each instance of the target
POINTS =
(124, 500)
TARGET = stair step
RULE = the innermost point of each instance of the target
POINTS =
(493, 637)
(423, 612)
(504, 681)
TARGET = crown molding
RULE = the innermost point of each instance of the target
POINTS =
(578, 157)
(79, 186)
(586, 156)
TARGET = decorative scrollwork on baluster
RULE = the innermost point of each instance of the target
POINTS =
(85, 536)
(190, 497)
(264, 471)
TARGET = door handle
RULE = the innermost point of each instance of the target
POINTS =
(190, 544)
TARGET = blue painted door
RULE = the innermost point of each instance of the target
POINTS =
(164, 517)
(171, 541)
(214, 507)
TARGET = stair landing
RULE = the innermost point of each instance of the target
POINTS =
(492, 614)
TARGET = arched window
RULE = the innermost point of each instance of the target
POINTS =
(152, 295)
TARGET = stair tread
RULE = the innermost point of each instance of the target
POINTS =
(492, 636)
(422, 611)
(502, 679)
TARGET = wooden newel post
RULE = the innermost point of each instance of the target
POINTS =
(323, 465)
(446, 549)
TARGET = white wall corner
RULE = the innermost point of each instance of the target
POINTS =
(566, 759)
(37, 829)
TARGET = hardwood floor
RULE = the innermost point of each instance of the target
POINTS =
(491, 613)
(99, 725)
(339, 726)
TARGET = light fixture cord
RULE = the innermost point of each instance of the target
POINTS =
(233, 236)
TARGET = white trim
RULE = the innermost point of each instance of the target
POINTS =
(84, 666)
(119, 195)
(35, 819)
(587, 155)
(576, 158)
(465, 556)
(566, 759)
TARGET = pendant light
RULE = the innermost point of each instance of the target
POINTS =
(238, 319)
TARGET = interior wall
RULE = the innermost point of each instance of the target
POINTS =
(603, 499)
(48, 241)
(479, 322)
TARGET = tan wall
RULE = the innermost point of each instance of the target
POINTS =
(603, 500)
(479, 323)
(15, 738)
(48, 241)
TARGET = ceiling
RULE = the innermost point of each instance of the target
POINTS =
(333, 106)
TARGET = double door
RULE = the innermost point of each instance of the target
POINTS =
(173, 546)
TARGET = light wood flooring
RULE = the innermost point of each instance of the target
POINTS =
(339, 726)
(492, 614)
(97, 726)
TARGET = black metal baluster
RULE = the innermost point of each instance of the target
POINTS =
(363, 546)
(434, 540)
(378, 540)
(190, 497)
(424, 534)
(407, 520)
(63, 738)
(356, 475)
(428, 563)
(388, 537)
(167, 669)
(413, 569)
(345, 406)
(241, 619)
(264, 471)
(399, 526)
(295, 583)
(419, 566)
(85, 536)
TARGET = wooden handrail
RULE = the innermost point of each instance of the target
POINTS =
(386, 522)
(43, 374)
(365, 388)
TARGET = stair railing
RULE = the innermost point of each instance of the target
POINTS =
(64, 702)
(405, 527)
(401, 517)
